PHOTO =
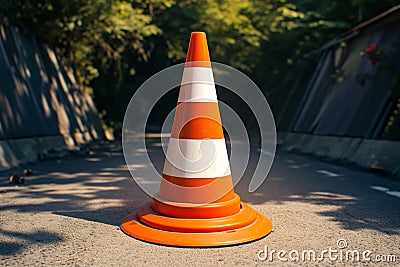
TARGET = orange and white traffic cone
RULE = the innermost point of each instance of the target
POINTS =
(196, 205)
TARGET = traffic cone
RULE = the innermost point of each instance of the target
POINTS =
(196, 205)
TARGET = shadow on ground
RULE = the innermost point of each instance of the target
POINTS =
(97, 187)
(295, 178)
(42, 237)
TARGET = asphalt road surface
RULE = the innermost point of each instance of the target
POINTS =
(68, 213)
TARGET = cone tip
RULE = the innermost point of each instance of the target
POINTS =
(198, 33)
(198, 49)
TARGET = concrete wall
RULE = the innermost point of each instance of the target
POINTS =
(42, 110)
(379, 155)
(15, 152)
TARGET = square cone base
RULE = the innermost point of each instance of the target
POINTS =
(245, 226)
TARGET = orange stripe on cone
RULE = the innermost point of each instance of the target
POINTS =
(197, 120)
(194, 190)
(196, 205)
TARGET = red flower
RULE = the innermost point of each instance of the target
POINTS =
(371, 49)
(372, 61)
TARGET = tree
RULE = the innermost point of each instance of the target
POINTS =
(114, 45)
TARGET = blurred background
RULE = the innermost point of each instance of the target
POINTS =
(327, 68)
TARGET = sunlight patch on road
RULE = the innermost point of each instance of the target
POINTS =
(322, 195)
(393, 193)
(380, 188)
(386, 190)
(93, 159)
(328, 173)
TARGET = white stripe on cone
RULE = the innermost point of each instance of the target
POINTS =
(197, 75)
(198, 92)
(191, 158)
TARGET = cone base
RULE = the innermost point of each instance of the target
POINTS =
(147, 225)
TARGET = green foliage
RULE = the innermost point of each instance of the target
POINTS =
(114, 45)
